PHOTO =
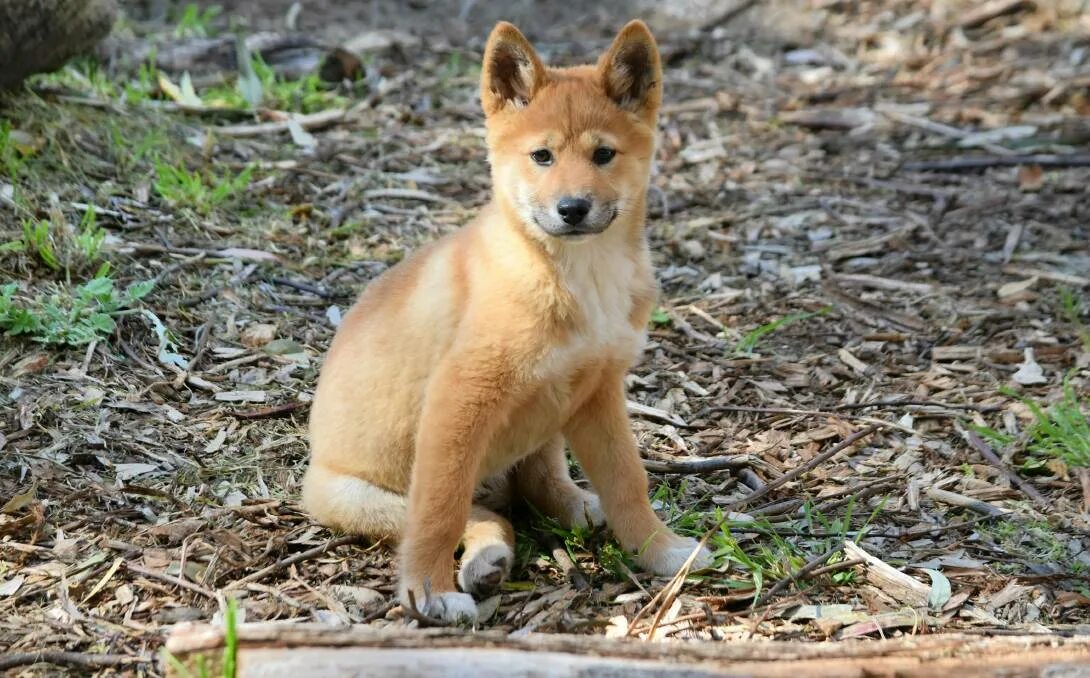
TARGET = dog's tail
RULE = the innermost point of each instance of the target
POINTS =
(353, 505)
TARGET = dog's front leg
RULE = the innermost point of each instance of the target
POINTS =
(602, 441)
(463, 406)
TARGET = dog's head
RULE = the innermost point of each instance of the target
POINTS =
(571, 148)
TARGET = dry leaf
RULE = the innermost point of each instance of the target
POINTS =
(20, 500)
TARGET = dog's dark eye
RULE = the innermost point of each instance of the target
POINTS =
(603, 155)
(542, 156)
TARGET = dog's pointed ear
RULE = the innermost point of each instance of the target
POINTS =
(632, 71)
(512, 72)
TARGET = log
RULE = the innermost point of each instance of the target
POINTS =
(292, 650)
(38, 36)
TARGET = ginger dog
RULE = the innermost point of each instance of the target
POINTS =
(469, 364)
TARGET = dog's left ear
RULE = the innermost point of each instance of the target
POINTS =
(512, 72)
(632, 71)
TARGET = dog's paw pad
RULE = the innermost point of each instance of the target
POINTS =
(452, 607)
(669, 560)
(482, 573)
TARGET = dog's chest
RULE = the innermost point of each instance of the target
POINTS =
(602, 294)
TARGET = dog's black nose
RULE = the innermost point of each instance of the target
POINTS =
(573, 210)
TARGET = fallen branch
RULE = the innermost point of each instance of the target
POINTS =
(986, 161)
(83, 660)
(699, 465)
(955, 499)
(307, 122)
(277, 649)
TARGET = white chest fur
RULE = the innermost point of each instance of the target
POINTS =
(601, 283)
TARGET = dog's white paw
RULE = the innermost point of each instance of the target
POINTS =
(586, 511)
(452, 607)
(667, 561)
(483, 572)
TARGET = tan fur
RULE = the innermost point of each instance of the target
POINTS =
(473, 360)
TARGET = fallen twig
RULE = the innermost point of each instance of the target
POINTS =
(293, 559)
(986, 161)
(83, 660)
(307, 122)
(170, 579)
(955, 499)
(705, 465)
(989, 454)
(272, 411)
(568, 566)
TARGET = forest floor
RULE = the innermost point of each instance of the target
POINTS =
(851, 238)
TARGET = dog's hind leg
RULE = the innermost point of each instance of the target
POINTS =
(543, 480)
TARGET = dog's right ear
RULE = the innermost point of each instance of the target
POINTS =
(512, 72)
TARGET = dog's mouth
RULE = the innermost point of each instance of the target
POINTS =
(574, 232)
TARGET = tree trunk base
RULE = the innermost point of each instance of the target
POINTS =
(37, 36)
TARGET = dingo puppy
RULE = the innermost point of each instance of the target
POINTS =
(473, 361)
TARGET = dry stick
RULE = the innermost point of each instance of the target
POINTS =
(837, 567)
(568, 566)
(705, 465)
(666, 595)
(795, 473)
(911, 402)
(990, 10)
(170, 579)
(796, 412)
(986, 451)
(293, 559)
(60, 658)
(272, 411)
(986, 161)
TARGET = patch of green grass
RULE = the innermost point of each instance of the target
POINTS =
(774, 556)
(69, 315)
(609, 555)
(1033, 541)
(195, 22)
(660, 318)
(1063, 430)
(38, 239)
(259, 85)
(749, 342)
(11, 158)
(196, 190)
(60, 249)
(1072, 309)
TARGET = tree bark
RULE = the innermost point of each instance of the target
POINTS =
(37, 36)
